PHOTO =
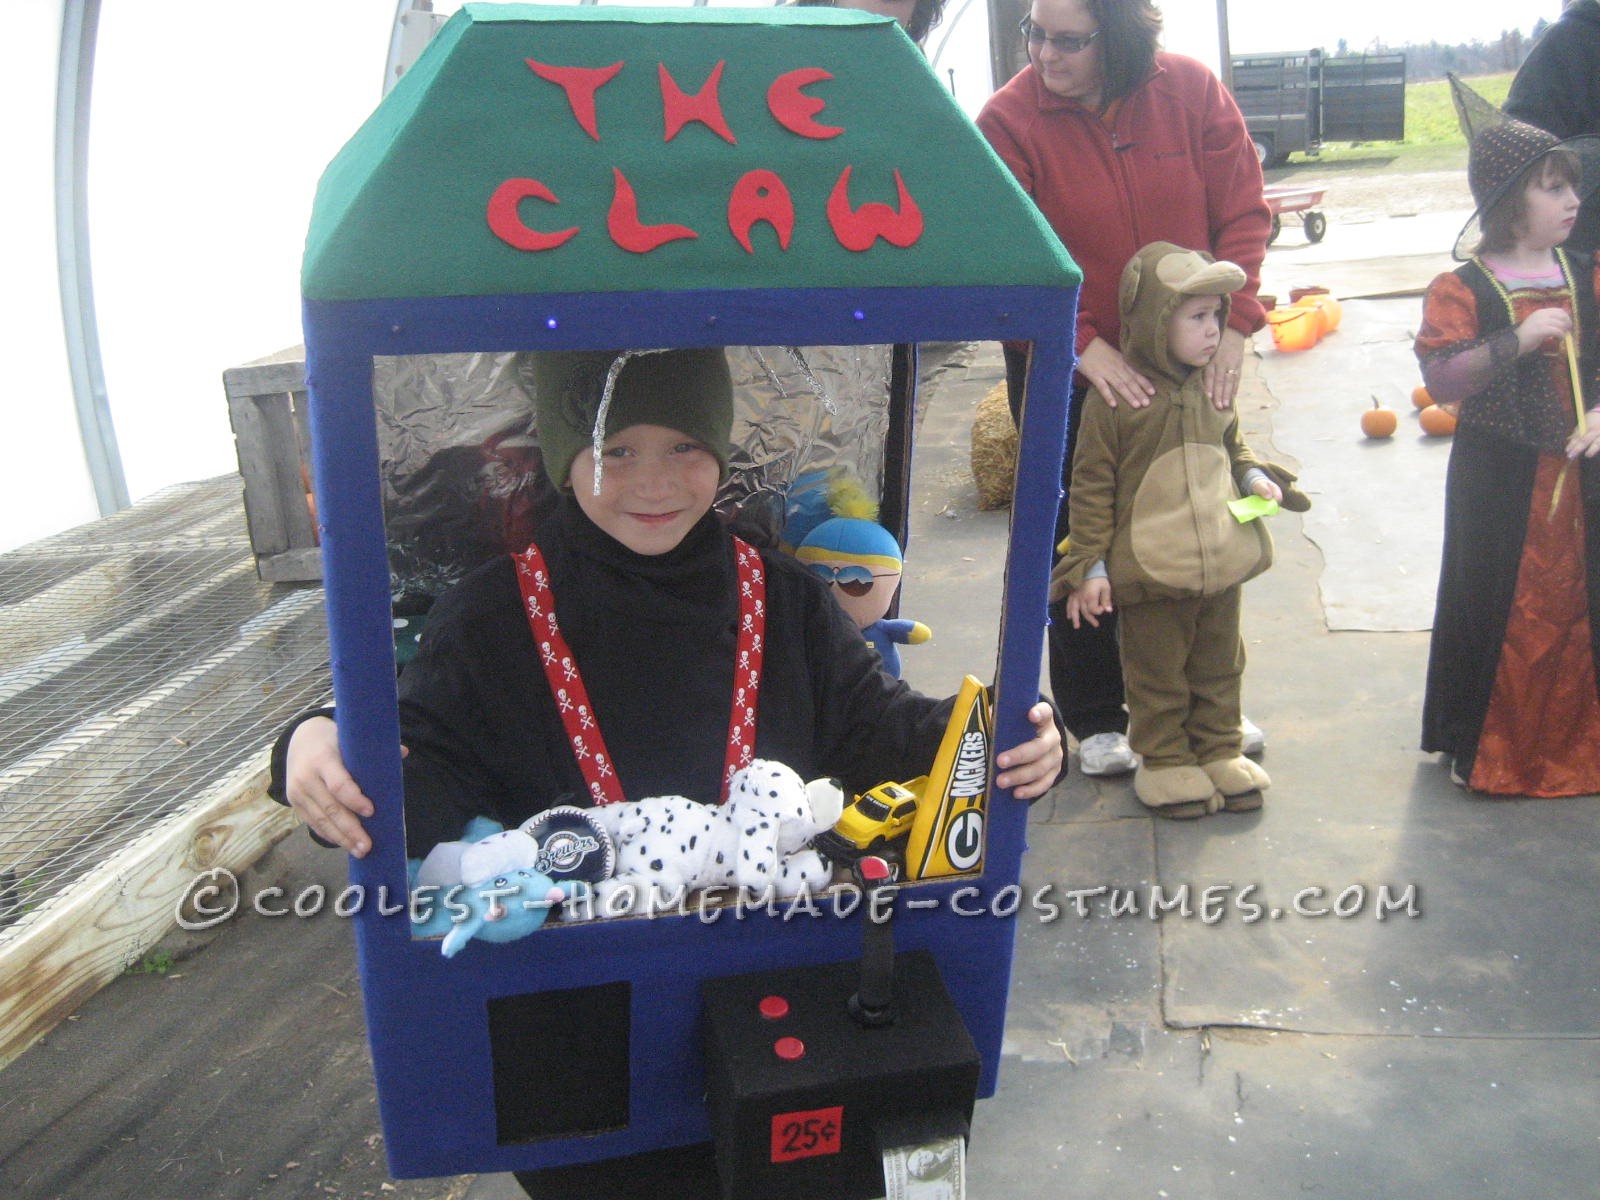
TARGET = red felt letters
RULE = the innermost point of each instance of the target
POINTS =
(760, 195)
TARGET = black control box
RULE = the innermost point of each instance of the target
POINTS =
(804, 1097)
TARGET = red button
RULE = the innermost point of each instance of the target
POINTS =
(873, 869)
(789, 1048)
(774, 1008)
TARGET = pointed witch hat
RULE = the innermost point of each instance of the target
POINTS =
(1473, 112)
(1503, 151)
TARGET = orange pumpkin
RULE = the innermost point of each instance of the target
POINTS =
(1379, 422)
(1437, 422)
(1420, 397)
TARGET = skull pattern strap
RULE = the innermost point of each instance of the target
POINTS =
(572, 698)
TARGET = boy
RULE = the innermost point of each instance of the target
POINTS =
(1151, 527)
(644, 577)
(651, 592)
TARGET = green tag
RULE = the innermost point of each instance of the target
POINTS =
(1248, 508)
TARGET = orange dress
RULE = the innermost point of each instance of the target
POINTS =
(1540, 734)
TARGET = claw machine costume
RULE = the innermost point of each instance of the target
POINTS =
(556, 179)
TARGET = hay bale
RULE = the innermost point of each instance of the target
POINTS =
(994, 449)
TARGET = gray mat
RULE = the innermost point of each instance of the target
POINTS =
(1378, 506)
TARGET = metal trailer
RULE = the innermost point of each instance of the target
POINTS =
(1296, 102)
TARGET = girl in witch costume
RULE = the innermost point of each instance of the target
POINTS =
(1510, 342)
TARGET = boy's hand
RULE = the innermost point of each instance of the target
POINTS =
(1089, 601)
(1030, 769)
(322, 793)
(1268, 490)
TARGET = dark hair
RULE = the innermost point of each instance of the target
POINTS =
(1500, 222)
(924, 18)
(1130, 31)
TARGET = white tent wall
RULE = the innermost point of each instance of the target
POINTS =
(210, 124)
(44, 486)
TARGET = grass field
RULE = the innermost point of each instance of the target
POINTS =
(1433, 137)
(1430, 116)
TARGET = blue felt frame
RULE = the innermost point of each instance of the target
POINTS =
(426, 1014)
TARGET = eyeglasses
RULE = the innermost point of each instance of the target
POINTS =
(851, 580)
(1067, 43)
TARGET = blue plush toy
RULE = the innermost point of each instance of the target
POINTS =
(484, 886)
(861, 561)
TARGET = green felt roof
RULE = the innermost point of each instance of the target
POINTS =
(402, 211)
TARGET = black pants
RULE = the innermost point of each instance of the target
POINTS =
(1085, 665)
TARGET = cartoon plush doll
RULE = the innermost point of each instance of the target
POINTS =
(861, 561)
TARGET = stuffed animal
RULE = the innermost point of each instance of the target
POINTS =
(484, 886)
(861, 561)
(760, 839)
(807, 503)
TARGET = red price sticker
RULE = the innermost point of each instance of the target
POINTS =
(806, 1134)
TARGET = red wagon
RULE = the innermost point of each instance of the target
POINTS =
(1288, 199)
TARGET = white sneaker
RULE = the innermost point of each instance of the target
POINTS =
(1106, 754)
(1251, 740)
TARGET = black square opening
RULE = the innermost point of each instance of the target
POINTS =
(536, 1040)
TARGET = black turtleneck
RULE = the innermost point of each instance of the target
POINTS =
(653, 636)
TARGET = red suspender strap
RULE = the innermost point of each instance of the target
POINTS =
(572, 698)
(746, 660)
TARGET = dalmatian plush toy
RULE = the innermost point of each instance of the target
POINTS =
(668, 846)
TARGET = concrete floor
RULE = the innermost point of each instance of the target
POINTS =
(1440, 1039)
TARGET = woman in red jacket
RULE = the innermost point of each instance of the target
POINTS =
(1120, 145)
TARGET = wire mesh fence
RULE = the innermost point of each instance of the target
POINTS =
(141, 660)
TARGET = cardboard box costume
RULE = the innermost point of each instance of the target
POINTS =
(580, 178)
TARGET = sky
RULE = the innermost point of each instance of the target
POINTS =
(1260, 25)
(211, 123)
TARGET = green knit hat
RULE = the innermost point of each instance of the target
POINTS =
(687, 390)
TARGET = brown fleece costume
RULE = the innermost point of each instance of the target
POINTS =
(1150, 489)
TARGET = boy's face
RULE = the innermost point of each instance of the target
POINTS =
(1549, 208)
(657, 483)
(1195, 330)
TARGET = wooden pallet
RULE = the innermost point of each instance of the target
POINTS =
(267, 408)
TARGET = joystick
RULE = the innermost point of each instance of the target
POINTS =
(872, 1004)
